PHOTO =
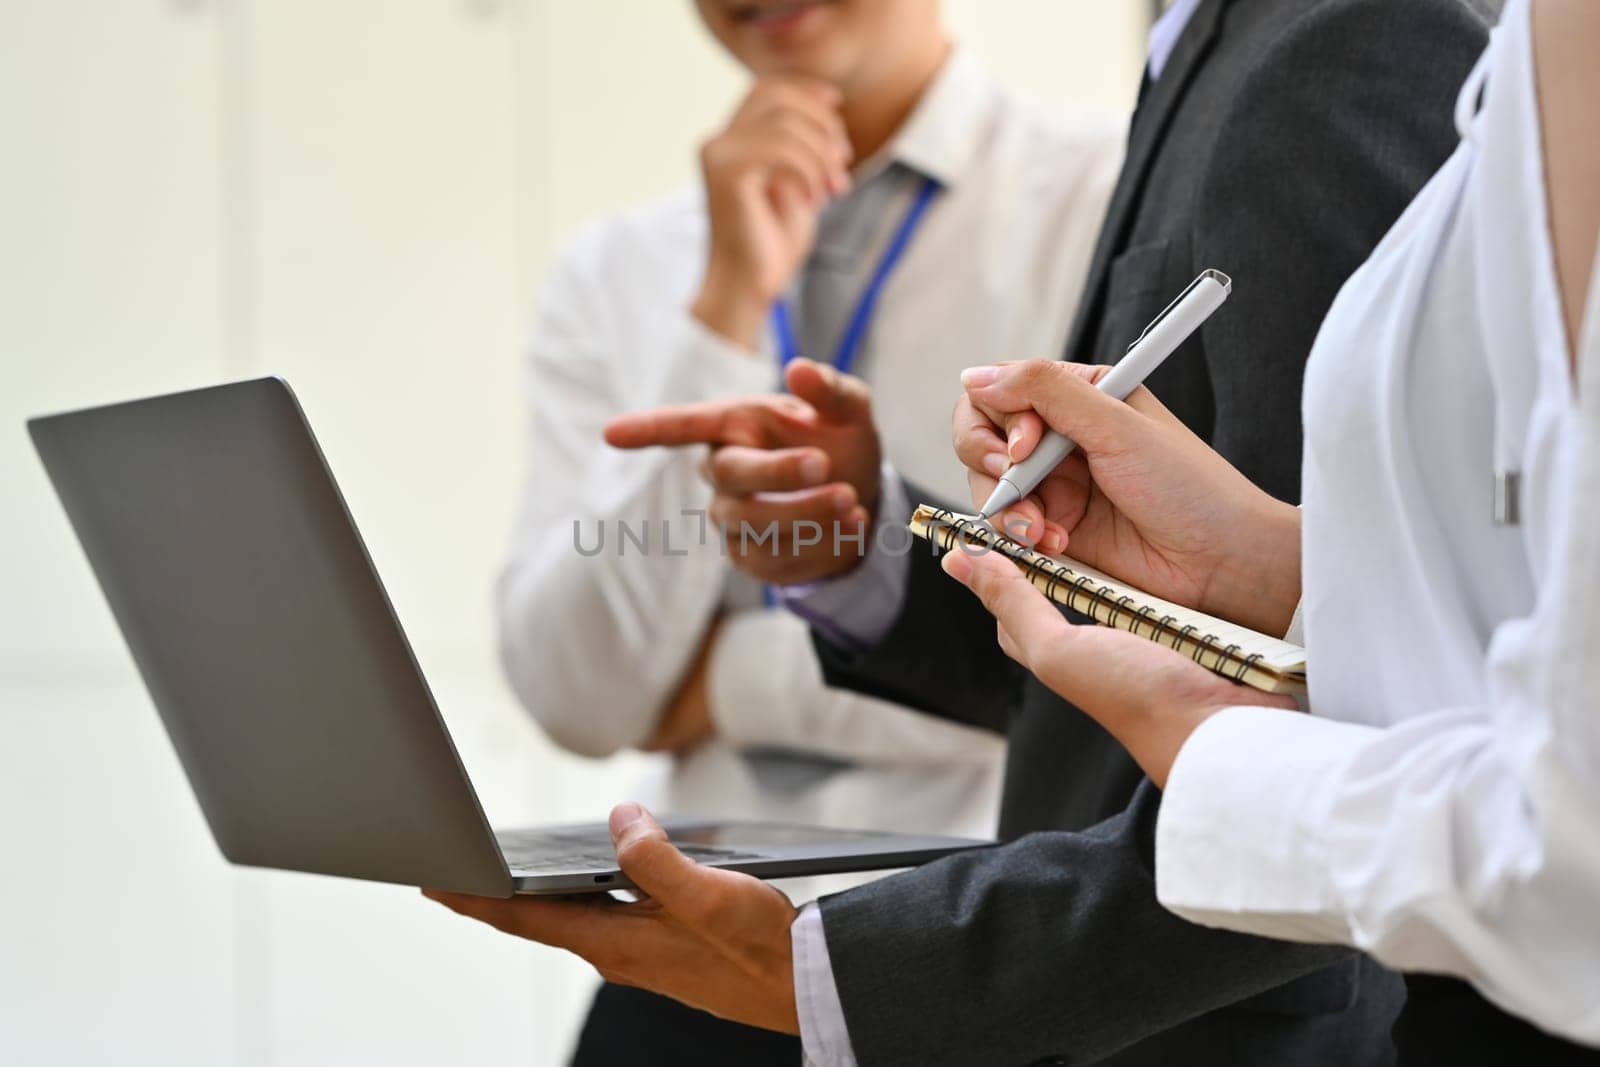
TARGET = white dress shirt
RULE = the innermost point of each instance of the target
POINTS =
(595, 645)
(1440, 808)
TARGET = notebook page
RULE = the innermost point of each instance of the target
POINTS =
(1279, 654)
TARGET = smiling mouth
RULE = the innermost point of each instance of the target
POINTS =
(775, 15)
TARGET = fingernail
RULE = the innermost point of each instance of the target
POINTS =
(995, 464)
(814, 468)
(624, 816)
(978, 377)
(844, 502)
(1011, 441)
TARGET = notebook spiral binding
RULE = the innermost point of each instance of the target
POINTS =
(952, 528)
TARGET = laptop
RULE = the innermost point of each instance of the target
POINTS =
(289, 690)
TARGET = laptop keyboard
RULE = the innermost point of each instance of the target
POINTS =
(545, 852)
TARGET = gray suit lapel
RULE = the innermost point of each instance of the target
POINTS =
(1151, 120)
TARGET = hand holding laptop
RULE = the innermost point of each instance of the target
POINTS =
(714, 939)
(276, 662)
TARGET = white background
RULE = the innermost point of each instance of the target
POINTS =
(360, 195)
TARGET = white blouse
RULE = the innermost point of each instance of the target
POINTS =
(1440, 807)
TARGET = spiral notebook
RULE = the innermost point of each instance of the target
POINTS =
(1235, 652)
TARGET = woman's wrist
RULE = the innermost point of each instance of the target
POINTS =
(1166, 730)
(1257, 583)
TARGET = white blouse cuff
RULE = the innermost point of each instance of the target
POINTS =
(1296, 633)
(1241, 837)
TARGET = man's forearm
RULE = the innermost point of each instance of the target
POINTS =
(1060, 929)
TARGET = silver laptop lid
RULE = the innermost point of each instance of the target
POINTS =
(265, 638)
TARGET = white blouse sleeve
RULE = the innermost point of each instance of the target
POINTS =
(767, 691)
(1463, 841)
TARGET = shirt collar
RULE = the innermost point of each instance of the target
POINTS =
(945, 129)
(1167, 31)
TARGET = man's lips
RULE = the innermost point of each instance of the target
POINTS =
(775, 16)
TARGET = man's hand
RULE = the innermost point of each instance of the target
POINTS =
(767, 177)
(1147, 696)
(791, 473)
(713, 939)
(1141, 497)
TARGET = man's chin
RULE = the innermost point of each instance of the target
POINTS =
(819, 61)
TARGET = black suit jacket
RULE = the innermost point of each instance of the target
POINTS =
(1279, 144)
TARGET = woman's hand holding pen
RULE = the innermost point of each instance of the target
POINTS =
(1143, 499)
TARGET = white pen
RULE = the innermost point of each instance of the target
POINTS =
(1159, 340)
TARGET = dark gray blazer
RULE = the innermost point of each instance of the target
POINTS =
(1279, 144)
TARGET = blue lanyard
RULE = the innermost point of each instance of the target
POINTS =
(861, 317)
(850, 343)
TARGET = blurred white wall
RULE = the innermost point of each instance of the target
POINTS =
(360, 195)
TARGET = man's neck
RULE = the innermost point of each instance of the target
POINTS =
(874, 113)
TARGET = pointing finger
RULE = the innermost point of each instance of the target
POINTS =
(689, 425)
(749, 421)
